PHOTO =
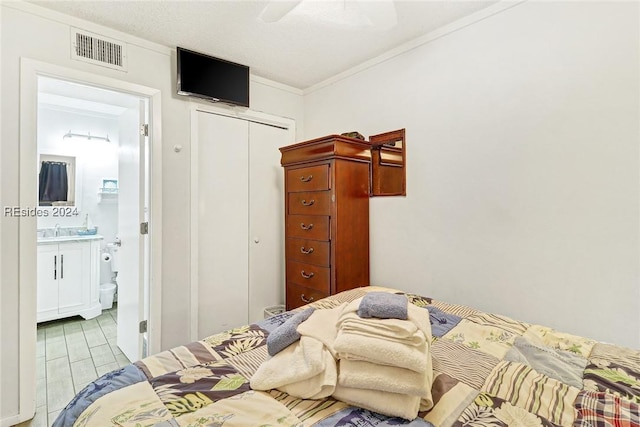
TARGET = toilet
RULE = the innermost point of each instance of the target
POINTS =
(108, 290)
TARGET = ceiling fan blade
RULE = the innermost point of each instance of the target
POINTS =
(276, 10)
(381, 13)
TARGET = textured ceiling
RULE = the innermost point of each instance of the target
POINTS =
(298, 50)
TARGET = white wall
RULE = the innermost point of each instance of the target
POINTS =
(522, 167)
(1, 237)
(36, 33)
(95, 160)
(522, 164)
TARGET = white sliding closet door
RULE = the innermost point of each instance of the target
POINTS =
(266, 218)
(223, 218)
(240, 221)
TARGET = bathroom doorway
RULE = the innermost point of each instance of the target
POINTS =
(94, 209)
(146, 291)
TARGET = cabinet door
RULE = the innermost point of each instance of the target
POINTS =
(74, 276)
(47, 292)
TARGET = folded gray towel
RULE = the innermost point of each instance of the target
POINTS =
(383, 305)
(286, 334)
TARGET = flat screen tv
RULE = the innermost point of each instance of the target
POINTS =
(213, 79)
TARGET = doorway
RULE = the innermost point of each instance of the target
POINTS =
(92, 135)
(95, 123)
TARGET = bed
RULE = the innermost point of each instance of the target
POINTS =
(488, 370)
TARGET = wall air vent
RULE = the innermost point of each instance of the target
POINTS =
(98, 50)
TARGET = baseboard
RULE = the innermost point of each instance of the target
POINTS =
(26, 415)
(11, 421)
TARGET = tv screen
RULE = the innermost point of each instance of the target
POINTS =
(212, 78)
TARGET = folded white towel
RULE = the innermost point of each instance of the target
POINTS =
(369, 376)
(360, 342)
(395, 329)
(401, 331)
(382, 402)
(381, 352)
(305, 369)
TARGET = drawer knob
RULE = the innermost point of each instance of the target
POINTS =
(309, 203)
(307, 300)
(307, 275)
(306, 227)
(305, 250)
(306, 179)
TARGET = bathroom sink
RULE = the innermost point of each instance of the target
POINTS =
(54, 239)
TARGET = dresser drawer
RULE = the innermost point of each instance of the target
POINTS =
(308, 227)
(308, 251)
(313, 178)
(309, 275)
(310, 203)
(298, 296)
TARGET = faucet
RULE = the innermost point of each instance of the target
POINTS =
(56, 231)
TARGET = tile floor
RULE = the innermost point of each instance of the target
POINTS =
(70, 354)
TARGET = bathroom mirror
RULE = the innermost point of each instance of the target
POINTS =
(388, 164)
(56, 180)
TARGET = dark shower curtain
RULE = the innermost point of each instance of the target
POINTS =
(54, 183)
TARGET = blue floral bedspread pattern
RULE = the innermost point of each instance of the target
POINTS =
(489, 370)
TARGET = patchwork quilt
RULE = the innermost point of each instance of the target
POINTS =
(489, 370)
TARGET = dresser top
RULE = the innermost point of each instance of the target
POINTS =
(326, 148)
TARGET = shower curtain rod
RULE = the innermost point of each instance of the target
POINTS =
(88, 136)
(56, 162)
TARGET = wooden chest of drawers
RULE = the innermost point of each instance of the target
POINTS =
(326, 217)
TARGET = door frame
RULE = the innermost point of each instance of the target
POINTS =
(30, 70)
(237, 113)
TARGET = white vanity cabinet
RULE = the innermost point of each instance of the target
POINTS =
(68, 278)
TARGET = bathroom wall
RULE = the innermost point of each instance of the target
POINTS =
(95, 160)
